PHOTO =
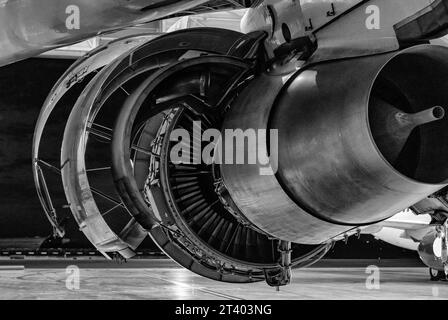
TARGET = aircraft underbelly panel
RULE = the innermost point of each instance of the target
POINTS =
(28, 28)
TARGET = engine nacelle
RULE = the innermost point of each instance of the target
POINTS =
(358, 140)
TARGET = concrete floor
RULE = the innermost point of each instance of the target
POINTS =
(161, 279)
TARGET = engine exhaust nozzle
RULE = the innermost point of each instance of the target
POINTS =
(357, 143)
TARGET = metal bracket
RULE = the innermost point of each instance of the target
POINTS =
(283, 21)
(332, 12)
(310, 26)
(282, 275)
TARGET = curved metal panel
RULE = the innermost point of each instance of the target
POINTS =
(28, 28)
(261, 198)
(83, 67)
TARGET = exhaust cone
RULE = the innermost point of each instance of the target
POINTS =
(392, 127)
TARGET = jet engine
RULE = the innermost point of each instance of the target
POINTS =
(338, 144)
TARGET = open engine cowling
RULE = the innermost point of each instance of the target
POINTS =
(357, 140)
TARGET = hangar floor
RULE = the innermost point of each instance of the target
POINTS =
(162, 279)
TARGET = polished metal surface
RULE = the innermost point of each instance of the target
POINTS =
(261, 198)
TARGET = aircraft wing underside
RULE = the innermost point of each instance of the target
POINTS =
(28, 27)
